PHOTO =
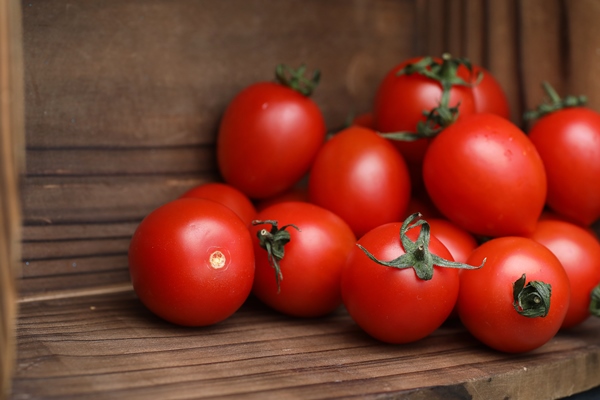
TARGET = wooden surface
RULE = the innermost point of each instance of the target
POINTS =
(110, 346)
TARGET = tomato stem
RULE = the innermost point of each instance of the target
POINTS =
(554, 103)
(295, 79)
(416, 254)
(531, 300)
(595, 302)
(274, 241)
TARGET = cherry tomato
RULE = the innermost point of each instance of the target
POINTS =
(488, 93)
(393, 304)
(297, 193)
(191, 262)
(299, 258)
(268, 138)
(365, 120)
(485, 175)
(400, 101)
(486, 302)
(568, 142)
(362, 178)
(579, 252)
(228, 196)
(458, 241)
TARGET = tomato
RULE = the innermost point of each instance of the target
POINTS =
(486, 303)
(361, 177)
(297, 193)
(191, 262)
(228, 196)
(268, 138)
(314, 245)
(365, 120)
(458, 241)
(579, 252)
(399, 304)
(400, 101)
(489, 95)
(568, 142)
(486, 176)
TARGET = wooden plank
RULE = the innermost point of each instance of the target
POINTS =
(105, 346)
(138, 73)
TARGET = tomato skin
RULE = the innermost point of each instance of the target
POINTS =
(485, 299)
(297, 193)
(401, 99)
(489, 94)
(362, 178)
(268, 138)
(578, 250)
(458, 241)
(394, 305)
(568, 142)
(312, 265)
(486, 176)
(227, 195)
(170, 262)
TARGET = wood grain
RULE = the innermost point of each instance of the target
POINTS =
(110, 346)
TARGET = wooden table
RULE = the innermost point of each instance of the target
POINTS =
(101, 346)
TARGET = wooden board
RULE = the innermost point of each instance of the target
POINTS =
(110, 346)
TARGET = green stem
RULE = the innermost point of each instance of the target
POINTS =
(416, 254)
(554, 103)
(296, 80)
(531, 300)
(274, 241)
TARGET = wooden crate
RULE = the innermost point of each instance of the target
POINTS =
(110, 108)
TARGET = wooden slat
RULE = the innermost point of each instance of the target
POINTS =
(110, 346)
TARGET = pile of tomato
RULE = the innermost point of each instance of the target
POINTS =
(432, 205)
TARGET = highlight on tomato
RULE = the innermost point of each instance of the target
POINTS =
(400, 283)
(566, 134)
(191, 262)
(361, 177)
(300, 251)
(270, 134)
(518, 301)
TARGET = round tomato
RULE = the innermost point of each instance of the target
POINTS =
(579, 252)
(268, 138)
(297, 193)
(518, 300)
(568, 142)
(405, 299)
(300, 252)
(191, 262)
(458, 241)
(488, 93)
(486, 176)
(403, 96)
(362, 178)
(228, 196)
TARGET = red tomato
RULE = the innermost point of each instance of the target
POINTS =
(268, 138)
(579, 252)
(486, 298)
(486, 176)
(568, 142)
(226, 195)
(297, 193)
(458, 241)
(400, 101)
(191, 262)
(314, 252)
(362, 178)
(365, 120)
(392, 304)
(489, 94)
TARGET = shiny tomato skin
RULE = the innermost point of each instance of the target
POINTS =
(297, 193)
(486, 176)
(191, 262)
(401, 99)
(489, 95)
(485, 299)
(458, 241)
(394, 305)
(268, 138)
(578, 250)
(312, 265)
(361, 177)
(568, 142)
(227, 195)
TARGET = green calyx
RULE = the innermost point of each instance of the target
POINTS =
(554, 103)
(416, 254)
(595, 302)
(296, 79)
(440, 117)
(531, 300)
(274, 241)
